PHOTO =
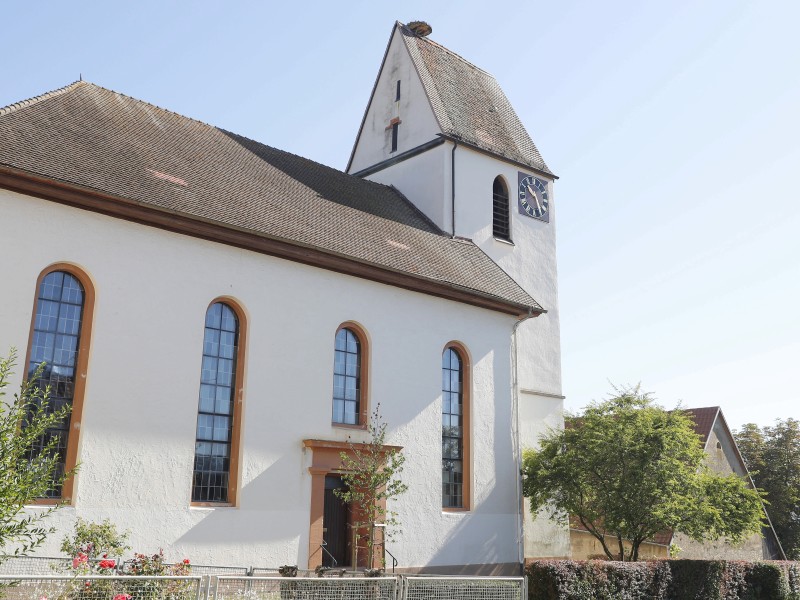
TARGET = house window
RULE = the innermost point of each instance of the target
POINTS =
(218, 418)
(455, 428)
(501, 227)
(397, 93)
(349, 376)
(395, 129)
(60, 340)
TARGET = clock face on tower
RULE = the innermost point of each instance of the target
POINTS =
(533, 197)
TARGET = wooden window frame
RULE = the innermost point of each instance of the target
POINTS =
(363, 401)
(68, 488)
(466, 426)
(234, 474)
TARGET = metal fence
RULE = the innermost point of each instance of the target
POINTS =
(99, 587)
(36, 565)
(304, 588)
(34, 579)
(464, 588)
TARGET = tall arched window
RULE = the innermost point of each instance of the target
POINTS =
(349, 376)
(218, 419)
(455, 429)
(501, 225)
(60, 339)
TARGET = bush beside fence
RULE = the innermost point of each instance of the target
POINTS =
(663, 580)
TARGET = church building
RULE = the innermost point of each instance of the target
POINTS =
(224, 317)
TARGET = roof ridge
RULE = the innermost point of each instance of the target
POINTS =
(376, 184)
(446, 49)
(156, 106)
(57, 92)
(4, 110)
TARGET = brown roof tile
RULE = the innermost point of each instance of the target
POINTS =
(95, 138)
(703, 419)
(469, 103)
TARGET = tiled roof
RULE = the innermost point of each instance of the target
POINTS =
(703, 419)
(469, 103)
(92, 137)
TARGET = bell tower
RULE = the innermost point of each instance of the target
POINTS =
(441, 131)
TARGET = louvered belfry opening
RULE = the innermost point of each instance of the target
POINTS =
(501, 226)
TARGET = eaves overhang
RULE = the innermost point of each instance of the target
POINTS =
(93, 200)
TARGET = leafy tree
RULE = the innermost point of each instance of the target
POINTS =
(628, 469)
(29, 460)
(772, 455)
(371, 473)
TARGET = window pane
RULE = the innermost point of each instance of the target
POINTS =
(205, 427)
(55, 342)
(346, 377)
(452, 433)
(72, 292)
(227, 344)
(221, 432)
(338, 410)
(65, 350)
(214, 316)
(209, 372)
(228, 319)
(211, 342)
(215, 412)
(51, 286)
(222, 404)
(207, 397)
(341, 340)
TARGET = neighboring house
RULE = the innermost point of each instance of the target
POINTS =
(224, 316)
(722, 456)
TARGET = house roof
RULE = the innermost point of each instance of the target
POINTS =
(98, 140)
(703, 419)
(469, 104)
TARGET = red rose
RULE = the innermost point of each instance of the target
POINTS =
(107, 564)
(186, 561)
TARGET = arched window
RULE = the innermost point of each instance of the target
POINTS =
(60, 339)
(455, 429)
(501, 226)
(349, 376)
(218, 418)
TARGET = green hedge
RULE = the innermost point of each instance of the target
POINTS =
(663, 580)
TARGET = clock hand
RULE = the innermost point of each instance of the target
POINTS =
(535, 197)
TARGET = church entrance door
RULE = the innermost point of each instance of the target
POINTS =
(335, 525)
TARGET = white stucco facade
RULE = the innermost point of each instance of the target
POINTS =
(137, 433)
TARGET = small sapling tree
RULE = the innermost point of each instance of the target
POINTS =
(29, 460)
(371, 474)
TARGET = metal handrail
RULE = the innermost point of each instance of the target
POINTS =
(325, 550)
(394, 560)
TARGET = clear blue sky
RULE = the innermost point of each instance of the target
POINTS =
(674, 126)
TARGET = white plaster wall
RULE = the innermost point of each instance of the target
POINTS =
(531, 261)
(418, 123)
(138, 431)
(425, 180)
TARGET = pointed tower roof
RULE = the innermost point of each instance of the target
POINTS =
(469, 104)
